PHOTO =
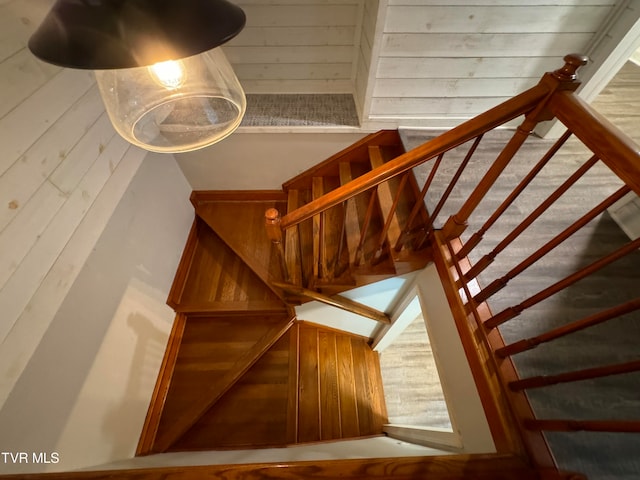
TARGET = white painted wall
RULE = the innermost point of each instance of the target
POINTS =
(62, 172)
(363, 448)
(81, 288)
(248, 161)
(85, 390)
(635, 57)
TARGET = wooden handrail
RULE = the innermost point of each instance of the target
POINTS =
(618, 151)
(466, 131)
(337, 301)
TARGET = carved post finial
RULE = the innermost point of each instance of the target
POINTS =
(272, 222)
(573, 61)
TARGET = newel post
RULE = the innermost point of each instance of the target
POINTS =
(272, 221)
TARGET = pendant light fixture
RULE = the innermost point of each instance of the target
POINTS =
(165, 85)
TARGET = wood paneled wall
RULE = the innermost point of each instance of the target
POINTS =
(297, 46)
(440, 62)
(364, 56)
(63, 170)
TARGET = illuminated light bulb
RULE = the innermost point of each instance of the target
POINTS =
(174, 106)
(169, 74)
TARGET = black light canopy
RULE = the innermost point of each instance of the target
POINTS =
(110, 34)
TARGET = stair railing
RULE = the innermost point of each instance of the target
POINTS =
(477, 287)
(552, 97)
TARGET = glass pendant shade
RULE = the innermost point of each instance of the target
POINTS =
(175, 105)
(165, 84)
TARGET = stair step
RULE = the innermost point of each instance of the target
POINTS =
(214, 354)
(340, 396)
(212, 277)
(354, 154)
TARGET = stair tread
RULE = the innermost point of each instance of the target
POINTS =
(241, 226)
(208, 281)
(356, 153)
(197, 385)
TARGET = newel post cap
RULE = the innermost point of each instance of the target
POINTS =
(573, 61)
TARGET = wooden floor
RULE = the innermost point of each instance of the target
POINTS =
(412, 387)
(313, 384)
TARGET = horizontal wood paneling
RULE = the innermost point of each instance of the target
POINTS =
(296, 46)
(61, 176)
(290, 54)
(32, 166)
(411, 107)
(441, 59)
(482, 45)
(487, 19)
(301, 36)
(465, 67)
(309, 14)
(17, 20)
(458, 87)
(23, 125)
(21, 75)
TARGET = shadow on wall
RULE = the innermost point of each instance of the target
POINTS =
(148, 353)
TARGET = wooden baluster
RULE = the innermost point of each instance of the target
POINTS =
(365, 224)
(342, 240)
(501, 282)
(474, 239)
(382, 239)
(564, 79)
(561, 425)
(589, 321)
(586, 374)
(274, 232)
(319, 258)
(447, 192)
(511, 312)
(486, 260)
(418, 206)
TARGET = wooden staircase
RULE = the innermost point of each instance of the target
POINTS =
(362, 239)
(241, 371)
